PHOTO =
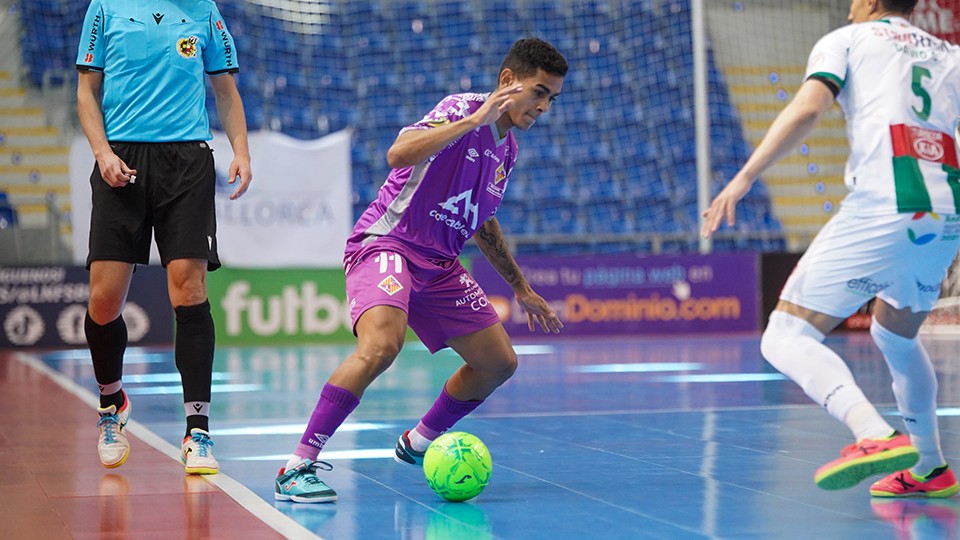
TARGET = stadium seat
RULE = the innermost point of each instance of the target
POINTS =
(622, 133)
(8, 217)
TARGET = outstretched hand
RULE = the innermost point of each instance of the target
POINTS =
(539, 310)
(725, 206)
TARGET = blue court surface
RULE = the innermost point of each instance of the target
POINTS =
(669, 437)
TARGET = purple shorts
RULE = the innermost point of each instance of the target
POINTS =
(441, 299)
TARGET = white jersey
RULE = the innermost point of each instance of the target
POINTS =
(900, 93)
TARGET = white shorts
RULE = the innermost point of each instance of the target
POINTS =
(901, 259)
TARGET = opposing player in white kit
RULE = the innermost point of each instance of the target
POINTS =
(893, 238)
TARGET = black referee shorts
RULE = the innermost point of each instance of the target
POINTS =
(172, 198)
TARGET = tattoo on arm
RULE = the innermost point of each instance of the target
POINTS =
(494, 247)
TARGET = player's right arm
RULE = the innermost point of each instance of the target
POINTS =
(415, 146)
(113, 170)
(91, 56)
(790, 128)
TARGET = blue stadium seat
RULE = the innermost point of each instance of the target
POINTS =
(503, 18)
(370, 66)
(594, 17)
(515, 216)
(8, 217)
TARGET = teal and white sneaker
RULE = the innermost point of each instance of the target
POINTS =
(196, 453)
(112, 445)
(300, 484)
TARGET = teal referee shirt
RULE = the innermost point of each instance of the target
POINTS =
(153, 55)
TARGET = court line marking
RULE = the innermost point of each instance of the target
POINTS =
(246, 498)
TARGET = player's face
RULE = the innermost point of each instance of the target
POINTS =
(860, 10)
(537, 95)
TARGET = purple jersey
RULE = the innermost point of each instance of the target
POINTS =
(435, 206)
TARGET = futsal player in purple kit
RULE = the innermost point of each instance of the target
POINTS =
(450, 171)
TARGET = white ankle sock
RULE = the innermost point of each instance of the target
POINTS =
(866, 423)
(418, 442)
(293, 462)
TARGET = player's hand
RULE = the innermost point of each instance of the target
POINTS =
(115, 172)
(499, 102)
(539, 311)
(240, 168)
(724, 206)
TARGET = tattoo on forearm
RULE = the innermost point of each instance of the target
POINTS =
(494, 248)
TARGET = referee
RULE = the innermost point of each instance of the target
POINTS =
(140, 98)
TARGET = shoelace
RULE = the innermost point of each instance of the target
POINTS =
(203, 441)
(108, 422)
(309, 473)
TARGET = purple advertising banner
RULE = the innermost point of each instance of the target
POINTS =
(610, 295)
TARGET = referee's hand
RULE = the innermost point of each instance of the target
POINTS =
(240, 168)
(115, 172)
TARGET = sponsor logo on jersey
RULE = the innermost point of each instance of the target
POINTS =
(87, 58)
(920, 232)
(390, 285)
(866, 286)
(219, 25)
(227, 49)
(455, 208)
(926, 144)
(928, 289)
(472, 155)
(187, 47)
(473, 295)
(94, 33)
(491, 154)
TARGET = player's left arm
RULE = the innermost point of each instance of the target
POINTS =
(493, 245)
(230, 109)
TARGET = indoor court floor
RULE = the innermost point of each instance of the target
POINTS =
(656, 437)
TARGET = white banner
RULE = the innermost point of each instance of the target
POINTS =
(297, 213)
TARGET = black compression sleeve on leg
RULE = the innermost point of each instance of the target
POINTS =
(107, 343)
(193, 349)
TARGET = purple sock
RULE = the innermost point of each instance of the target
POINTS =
(332, 409)
(446, 412)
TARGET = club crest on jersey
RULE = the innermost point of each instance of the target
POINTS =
(187, 47)
(501, 174)
(495, 188)
(390, 285)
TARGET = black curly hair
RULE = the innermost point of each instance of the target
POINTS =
(528, 55)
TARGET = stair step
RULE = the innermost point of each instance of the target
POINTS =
(29, 136)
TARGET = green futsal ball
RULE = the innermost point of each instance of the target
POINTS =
(457, 466)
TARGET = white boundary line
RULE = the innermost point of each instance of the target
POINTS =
(269, 515)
